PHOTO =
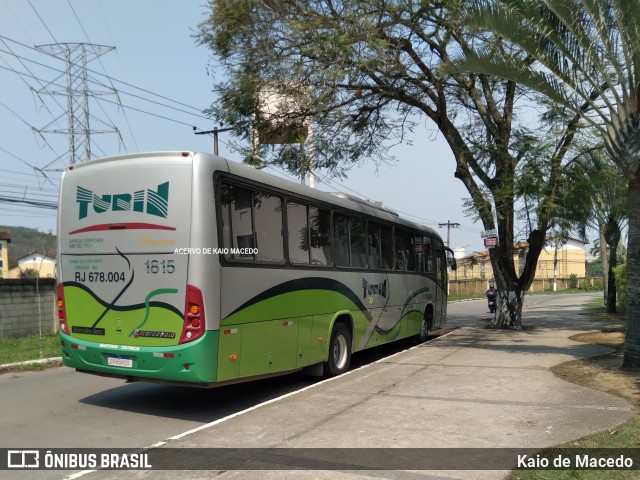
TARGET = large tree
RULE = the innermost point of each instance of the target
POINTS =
(583, 52)
(360, 71)
(597, 198)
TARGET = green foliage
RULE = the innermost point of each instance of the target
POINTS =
(594, 269)
(363, 73)
(621, 283)
(592, 284)
(29, 273)
(585, 57)
(573, 281)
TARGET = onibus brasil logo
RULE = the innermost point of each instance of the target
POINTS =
(153, 202)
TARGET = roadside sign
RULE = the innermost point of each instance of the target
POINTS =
(491, 242)
(489, 233)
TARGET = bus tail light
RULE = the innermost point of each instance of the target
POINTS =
(62, 314)
(193, 316)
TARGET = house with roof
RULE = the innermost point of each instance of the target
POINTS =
(41, 263)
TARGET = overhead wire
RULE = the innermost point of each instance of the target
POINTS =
(199, 115)
(22, 196)
(27, 68)
(113, 79)
(41, 20)
(328, 180)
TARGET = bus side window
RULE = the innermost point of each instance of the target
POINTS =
(268, 228)
(373, 235)
(386, 241)
(297, 225)
(320, 230)
(237, 202)
(225, 218)
(341, 239)
(357, 233)
(428, 254)
(401, 257)
(409, 250)
(441, 268)
(419, 249)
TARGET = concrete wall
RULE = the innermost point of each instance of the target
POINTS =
(539, 285)
(19, 312)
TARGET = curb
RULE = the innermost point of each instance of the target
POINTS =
(8, 366)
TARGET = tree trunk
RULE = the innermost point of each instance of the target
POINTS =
(612, 235)
(632, 337)
(511, 288)
(611, 290)
(604, 259)
(509, 309)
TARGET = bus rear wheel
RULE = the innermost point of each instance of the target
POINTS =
(339, 351)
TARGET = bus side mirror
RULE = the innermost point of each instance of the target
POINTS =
(452, 263)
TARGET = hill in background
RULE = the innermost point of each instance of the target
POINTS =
(28, 240)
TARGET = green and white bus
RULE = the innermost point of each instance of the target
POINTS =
(185, 267)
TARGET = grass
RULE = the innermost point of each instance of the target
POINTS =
(457, 298)
(13, 350)
(626, 436)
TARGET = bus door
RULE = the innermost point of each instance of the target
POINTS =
(441, 290)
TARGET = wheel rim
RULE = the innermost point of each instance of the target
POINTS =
(340, 352)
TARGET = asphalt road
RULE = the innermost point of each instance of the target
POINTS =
(59, 408)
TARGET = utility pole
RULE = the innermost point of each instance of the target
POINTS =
(449, 226)
(215, 132)
(76, 56)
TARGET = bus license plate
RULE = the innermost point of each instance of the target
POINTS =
(120, 361)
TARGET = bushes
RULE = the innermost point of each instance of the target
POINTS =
(621, 283)
(593, 284)
(573, 281)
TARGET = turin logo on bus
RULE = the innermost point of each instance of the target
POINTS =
(374, 288)
(153, 202)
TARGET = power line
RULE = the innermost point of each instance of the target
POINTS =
(43, 22)
(31, 127)
(149, 113)
(327, 180)
(105, 75)
(20, 75)
(41, 204)
(92, 80)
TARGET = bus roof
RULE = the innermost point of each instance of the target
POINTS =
(340, 200)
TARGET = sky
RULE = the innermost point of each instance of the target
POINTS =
(164, 82)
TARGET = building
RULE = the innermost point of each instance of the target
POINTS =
(43, 264)
(570, 256)
(5, 240)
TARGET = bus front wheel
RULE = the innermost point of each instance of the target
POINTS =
(339, 351)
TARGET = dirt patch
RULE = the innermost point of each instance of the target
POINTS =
(603, 373)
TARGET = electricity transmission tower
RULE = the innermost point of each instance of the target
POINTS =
(77, 92)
